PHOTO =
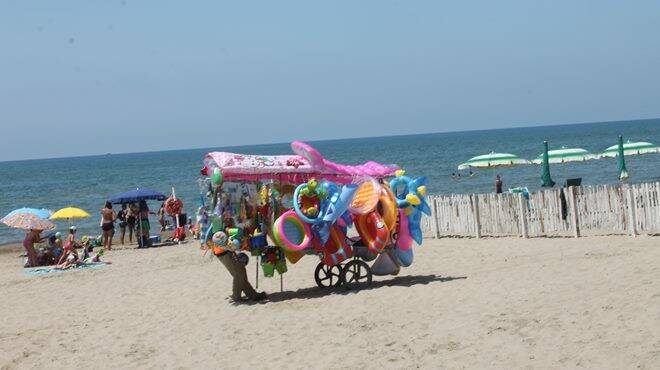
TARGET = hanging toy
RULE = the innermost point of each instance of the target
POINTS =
(308, 200)
(173, 206)
(216, 177)
(411, 199)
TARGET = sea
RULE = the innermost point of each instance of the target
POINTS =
(86, 182)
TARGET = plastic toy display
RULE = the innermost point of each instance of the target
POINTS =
(307, 205)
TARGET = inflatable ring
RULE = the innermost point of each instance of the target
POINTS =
(372, 230)
(303, 202)
(336, 250)
(401, 199)
(387, 207)
(291, 233)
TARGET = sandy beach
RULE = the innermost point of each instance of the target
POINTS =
(492, 303)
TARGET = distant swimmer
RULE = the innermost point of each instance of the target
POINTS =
(471, 174)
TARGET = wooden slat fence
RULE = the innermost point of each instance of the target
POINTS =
(604, 209)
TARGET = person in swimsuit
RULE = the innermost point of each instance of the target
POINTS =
(161, 217)
(131, 219)
(108, 217)
(122, 217)
(70, 254)
(31, 237)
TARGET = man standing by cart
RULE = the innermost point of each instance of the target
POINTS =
(240, 282)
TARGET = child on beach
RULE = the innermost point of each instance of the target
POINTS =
(69, 255)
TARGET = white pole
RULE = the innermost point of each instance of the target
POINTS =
(176, 217)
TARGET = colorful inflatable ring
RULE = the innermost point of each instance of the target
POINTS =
(336, 249)
(387, 207)
(291, 233)
(401, 199)
(372, 230)
(306, 197)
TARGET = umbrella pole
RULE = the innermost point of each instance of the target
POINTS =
(623, 172)
(176, 217)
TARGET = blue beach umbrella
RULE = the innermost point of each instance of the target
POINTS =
(41, 213)
(136, 196)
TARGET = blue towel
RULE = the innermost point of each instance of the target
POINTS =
(37, 271)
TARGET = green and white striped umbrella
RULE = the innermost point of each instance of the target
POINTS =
(630, 148)
(565, 154)
(493, 160)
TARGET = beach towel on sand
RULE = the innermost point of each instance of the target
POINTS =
(36, 271)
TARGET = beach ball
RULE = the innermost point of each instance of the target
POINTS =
(216, 178)
(219, 238)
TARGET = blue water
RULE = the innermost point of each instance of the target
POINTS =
(86, 182)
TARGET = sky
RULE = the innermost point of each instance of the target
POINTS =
(92, 77)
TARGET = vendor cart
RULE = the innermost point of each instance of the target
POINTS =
(354, 272)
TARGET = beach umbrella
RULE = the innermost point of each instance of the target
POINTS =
(136, 196)
(493, 160)
(69, 213)
(564, 155)
(27, 221)
(546, 180)
(628, 148)
(621, 154)
(631, 148)
(41, 213)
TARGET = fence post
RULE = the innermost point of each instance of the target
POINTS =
(574, 214)
(477, 218)
(632, 219)
(522, 215)
(436, 222)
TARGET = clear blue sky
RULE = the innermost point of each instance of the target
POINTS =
(90, 77)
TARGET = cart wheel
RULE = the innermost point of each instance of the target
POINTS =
(356, 275)
(327, 276)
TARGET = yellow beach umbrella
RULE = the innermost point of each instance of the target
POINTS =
(69, 213)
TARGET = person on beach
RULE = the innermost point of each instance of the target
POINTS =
(240, 283)
(108, 217)
(122, 216)
(69, 255)
(144, 226)
(31, 238)
(131, 219)
(161, 217)
(498, 184)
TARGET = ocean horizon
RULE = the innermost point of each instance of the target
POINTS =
(87, 181)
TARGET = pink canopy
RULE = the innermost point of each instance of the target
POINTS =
(307, 163)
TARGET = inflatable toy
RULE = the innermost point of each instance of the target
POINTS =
(372, 230)
(291, 233)
(216, 178)
(402, 258)
(336, 249)
(366, 197)
(411, 198)
(387, 207)
(385, 265)
(403, 239)
(173, 206)
(308, 201)
(339, 203)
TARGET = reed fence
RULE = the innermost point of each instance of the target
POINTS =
(605, 209)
